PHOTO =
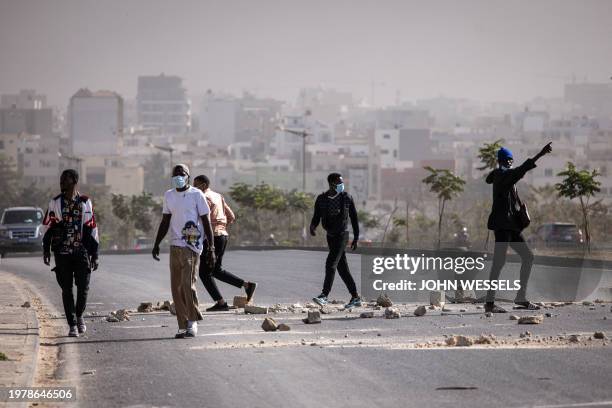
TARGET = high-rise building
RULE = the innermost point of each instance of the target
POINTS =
(162, 103)
(25, 99)
(95, 122)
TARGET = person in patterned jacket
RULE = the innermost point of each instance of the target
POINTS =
(71, 234)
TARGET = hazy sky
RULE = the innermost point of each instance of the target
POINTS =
(487, 50)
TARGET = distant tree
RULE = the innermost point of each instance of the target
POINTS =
(488, 155)
(367, 220)
(445, 185)
(136, 213)
(580, 184)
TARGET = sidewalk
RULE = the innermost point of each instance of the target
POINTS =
(19, 334)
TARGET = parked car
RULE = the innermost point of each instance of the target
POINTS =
(557, 234)
(21, 230)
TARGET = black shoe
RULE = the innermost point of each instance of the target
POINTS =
(250, 290)
(82, 328)
(218, 308)
(493, 308)
(180, 334)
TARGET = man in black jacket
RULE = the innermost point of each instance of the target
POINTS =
(504, 223)
(333, 208)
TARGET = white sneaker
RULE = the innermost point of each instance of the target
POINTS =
(192, 329)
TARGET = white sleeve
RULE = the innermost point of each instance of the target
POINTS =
(165, 209)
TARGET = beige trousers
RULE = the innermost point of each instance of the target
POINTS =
(183, 272)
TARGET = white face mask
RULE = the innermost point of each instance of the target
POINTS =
(179, 181)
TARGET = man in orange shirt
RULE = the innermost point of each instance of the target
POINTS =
(221, 215)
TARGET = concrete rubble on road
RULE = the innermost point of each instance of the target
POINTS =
(327, 310)
(252, 309)
(513, 317)
(420, 311)
(537, 319)
(314, 316)
(459, 341)
(145, 307)
(599, 335)
(26, 304)
(269, 324)
(239, 301)
(392, 313)
(384, 301)
(437, 298)
(120, 315)
(283, 327)
(366, 315)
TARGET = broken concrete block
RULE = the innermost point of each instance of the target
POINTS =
(437, 298)
(420, 311)
(240, 301)
(145, 307)
(513, 317)
(537, 319)
(283, 327)
(26, 304)
(574, 338)
(314, 316)
(118, 316)
(252, 309)
(599, 335)
(269, 324)
(366, 315)
(384, 301)
(327, 310)
(392, 313)
(459, 341)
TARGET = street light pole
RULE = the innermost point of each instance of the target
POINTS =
(303, 134)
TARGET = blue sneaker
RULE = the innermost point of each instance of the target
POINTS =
(354, 302)
(320, 300)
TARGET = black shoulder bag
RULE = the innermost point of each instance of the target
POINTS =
(522, 216)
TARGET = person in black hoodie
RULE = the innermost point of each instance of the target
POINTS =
(504, 223)
(333, 208)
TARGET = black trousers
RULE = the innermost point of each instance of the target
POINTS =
(514, 239)
(207, 273)
(336, 259)
(69, 268)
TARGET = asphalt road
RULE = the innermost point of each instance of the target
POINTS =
(343, 362)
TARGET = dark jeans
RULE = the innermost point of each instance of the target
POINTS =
(515, 240)
(207, 273)
(69, 268)
(337, 259)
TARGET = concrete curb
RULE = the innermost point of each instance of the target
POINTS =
(14, 291)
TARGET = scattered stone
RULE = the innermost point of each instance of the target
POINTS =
(459, 341)
(447, 309)
(239, 302)
(392, 313)
(437, 298)
(26, 304)
(548, 314)
(592, 308)
(366, 315)
(479, 307)
(465, 296)
(420, 311)
(462, 310)
(252, 309)
(599, 335)
(514, 317)
(145, 307)
(574, 338)
(269, 324)
(541, 304)
(335, 302)
(283, 327)
(89, 372)
(327, 310)
(278, 308)
(384, 301)
(537, 319)
(120, 315)
(484, 339)
(311, 305)
(377, 307)
(314, 316)
(588, 303)
(488, 314)
(296, 308)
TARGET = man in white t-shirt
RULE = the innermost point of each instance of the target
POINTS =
(186, 215)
